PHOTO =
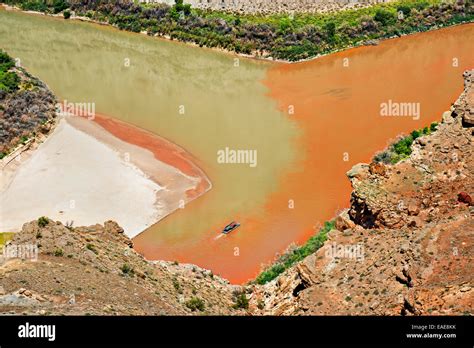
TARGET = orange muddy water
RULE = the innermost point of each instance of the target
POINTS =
(336, 102)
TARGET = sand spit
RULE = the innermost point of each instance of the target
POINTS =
(163, 150)
(83, 174)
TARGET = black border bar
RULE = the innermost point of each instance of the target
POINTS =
(223, 331)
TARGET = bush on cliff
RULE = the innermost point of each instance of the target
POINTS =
(241, 301)
(195, 304)
(402, 148)
(43, 221)
(6, 62)
(9, 81)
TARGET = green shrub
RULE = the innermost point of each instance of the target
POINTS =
(127, 269)
(92, 248)
(195, 304)
(58, 252)
(43, 221)
(59, 6)
(241, 301)
(176, 285)
(403, 146)
(384, 16)
(187, 9)
(404, 8)
(9, 81)
(289, 259)
(330, 29)
(6, 62)
(67, 14)
(415, 134)
(34, 5)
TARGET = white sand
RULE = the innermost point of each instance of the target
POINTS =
(74, 177)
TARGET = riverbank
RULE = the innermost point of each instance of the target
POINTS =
(83, 174)
(287, 37)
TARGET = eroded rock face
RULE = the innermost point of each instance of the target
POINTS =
(406, 243)
(464, 106)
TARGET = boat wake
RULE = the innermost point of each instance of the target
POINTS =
(219, 236)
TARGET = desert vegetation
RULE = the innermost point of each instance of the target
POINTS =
(26, 105)
(280, 36)
(296, 254)
(401, 149)
(9, 80)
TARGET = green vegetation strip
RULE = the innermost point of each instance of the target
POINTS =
(402, 148)
(290, 258)
(283, 36)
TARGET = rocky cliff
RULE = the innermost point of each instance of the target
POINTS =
(406, 245)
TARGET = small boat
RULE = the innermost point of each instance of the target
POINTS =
(230, 227)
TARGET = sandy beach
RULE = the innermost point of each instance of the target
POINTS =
(83, 174)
